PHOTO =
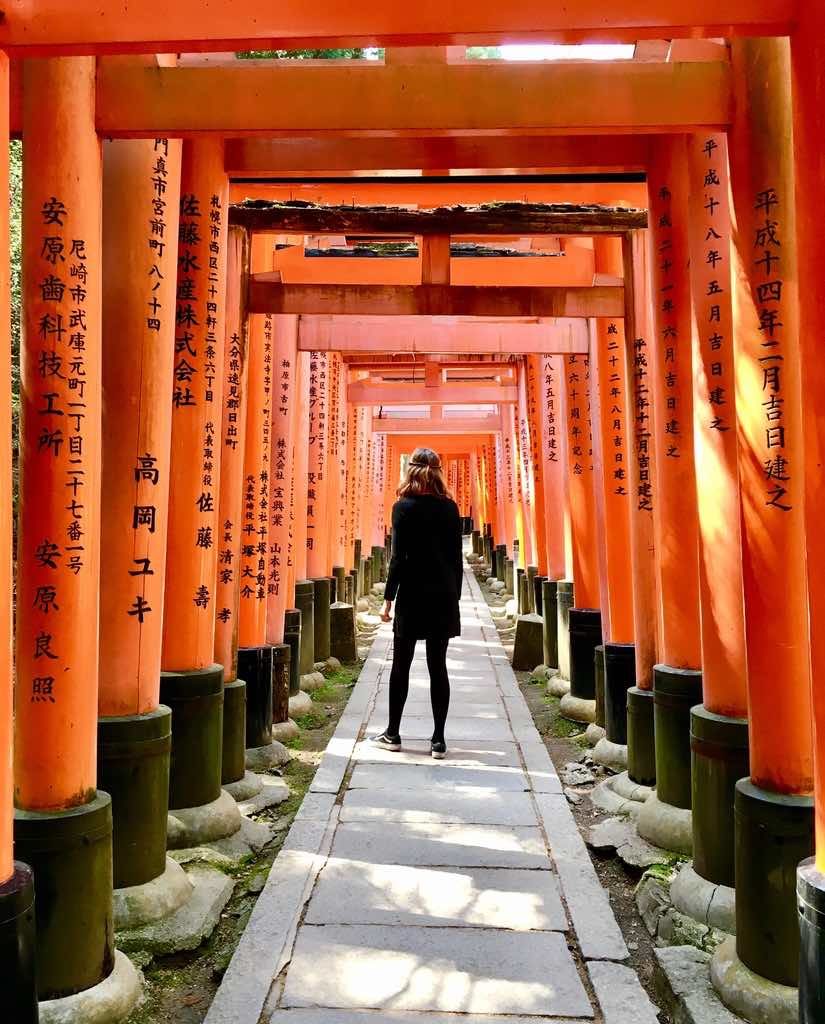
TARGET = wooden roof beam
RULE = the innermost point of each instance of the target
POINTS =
(426, 335)
(441, 99)
(492, 219)
(89, 26)
(427, 425)
(372, 393)
(268, 296)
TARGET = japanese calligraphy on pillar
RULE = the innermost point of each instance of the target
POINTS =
(611, 365)
(551, 410)
(196, 411)
(65, 384)
(280, 469)
(316, 490)
(580, 438)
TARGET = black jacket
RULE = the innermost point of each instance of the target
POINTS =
(426, 568)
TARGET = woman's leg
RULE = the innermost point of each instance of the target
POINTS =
(439, 684)
(403, 649)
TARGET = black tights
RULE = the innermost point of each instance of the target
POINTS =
(403, 650)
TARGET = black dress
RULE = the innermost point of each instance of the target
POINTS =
(426, 569)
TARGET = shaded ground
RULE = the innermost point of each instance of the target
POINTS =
(180, 988)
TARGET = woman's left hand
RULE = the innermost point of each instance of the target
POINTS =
(385, 612)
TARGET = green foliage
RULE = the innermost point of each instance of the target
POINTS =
(483, 53)
(346, 53)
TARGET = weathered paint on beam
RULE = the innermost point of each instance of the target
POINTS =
(259, 157)
(119, 26)
(266, 296)
(373, 393)
(610, 97)
(511, 218)
(432, 335)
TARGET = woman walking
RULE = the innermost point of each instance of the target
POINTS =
(426, 572)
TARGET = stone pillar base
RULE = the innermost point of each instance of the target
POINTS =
(300, 704)
(719, 759)
(748, 994)
(283, 732)
(133, 768)
(666, 826)
(111, 1000)
(17, 946)
(234, 731)
(70, 855)
(618, 794)
(641, 746)
(594, 734)
(675, 692)
(271, 755)
(527, 649)
(577, 709)
(138, 905)
(610, 754)
(343, 643)
(774, 833)
(810, 892)
(196, 766)
(207, 823)
(556, 686)
(703, 901)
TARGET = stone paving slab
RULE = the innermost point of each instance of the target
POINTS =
(426, 843)
(468, 805)
(350, 892)
(331, 1016)
(621, 996)
(460, 753)
(470, 970)
(434, 775)
(460, 727)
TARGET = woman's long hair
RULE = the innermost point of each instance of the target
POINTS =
(423, 475)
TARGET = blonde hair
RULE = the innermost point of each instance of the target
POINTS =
(423, 475)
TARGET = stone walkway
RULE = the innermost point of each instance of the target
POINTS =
(418, 891)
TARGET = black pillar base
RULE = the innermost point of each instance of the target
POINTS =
(585, 635)
(531, 574)
(598, 675)
(321, 619)
(292, 637)
(475, 542)
(133, 768)
(810, 896)
(195, 768)
(719, 758)
(233, 761)
(774, 832)
(305, 603)
(501, 563)
(378, 556)
(17, 947)
(550, 617)
(564, 602)
(70, 854)
(366, 576)
(339, 574)
(619, 677)
(641, 743)
(255, 667)
(280, 683)
(675, 692)
(509, 576)
(522, 605)
(538, 601)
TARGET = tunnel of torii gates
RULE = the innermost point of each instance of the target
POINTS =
(594, 288)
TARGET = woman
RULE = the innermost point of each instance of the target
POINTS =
(426, 571)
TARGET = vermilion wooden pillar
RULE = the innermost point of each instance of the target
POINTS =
(677, 678)
(584, 633)
(554, 457)
(774, 820)
(318, 469)
(808, 99)
(614, 498)
(282, 468)
(641, 759)
(255, 655)
(231, 453)
(141, 185)
(17, 978)
(59, 530)
(299, 497)
(719, 730)
(534, 403)
(192, 683)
